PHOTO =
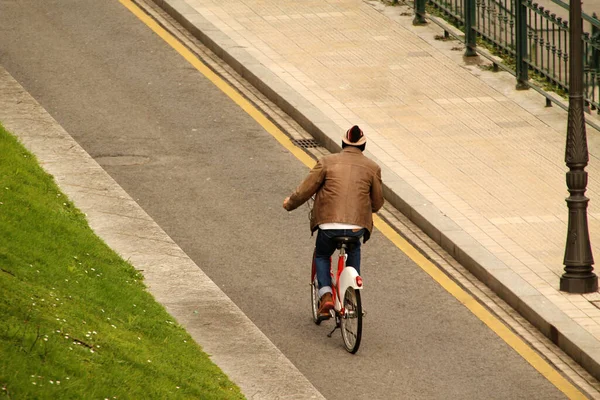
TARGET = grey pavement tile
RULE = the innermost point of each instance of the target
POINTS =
(100, 201)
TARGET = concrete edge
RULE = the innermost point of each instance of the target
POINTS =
(225, 333)
(530, 303)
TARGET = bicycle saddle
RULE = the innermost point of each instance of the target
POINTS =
(345, 240)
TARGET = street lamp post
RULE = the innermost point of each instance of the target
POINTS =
(579, 276)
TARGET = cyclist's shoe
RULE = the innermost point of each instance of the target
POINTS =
(326, 305)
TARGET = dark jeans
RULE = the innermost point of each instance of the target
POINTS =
(325, 247)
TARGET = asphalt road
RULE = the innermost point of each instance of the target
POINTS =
(214, 180)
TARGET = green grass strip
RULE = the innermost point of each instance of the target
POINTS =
(75, 319)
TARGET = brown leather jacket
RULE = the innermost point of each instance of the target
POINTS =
(348, 187)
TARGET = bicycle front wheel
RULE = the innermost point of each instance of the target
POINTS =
(351, 321)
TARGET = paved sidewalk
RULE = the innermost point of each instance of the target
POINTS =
(476, 164)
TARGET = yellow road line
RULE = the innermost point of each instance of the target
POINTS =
(481, 312)
(220, 83)
(442, 279)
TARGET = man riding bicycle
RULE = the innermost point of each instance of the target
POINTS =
(348, 190)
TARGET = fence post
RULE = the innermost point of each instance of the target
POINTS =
(419, 13)
(522, 69)
(470, 34)
(595, 41)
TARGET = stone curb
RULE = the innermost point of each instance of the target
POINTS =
(215, 322)
(519, 294)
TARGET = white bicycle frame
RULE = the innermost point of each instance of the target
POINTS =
(349, 277)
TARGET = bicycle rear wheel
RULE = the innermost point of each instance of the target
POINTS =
(314, 297)
(351, 321)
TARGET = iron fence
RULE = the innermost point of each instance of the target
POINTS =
(534, 38)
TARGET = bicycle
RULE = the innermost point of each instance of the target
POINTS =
(346, 284)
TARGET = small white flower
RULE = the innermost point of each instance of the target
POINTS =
(34, 383)
(67, 378)
(58, 382)
(177, 387)
(149, 361)
(45, 339)
(52, 382)
(91, 350)
(114, 326)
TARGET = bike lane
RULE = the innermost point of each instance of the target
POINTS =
(214, 180)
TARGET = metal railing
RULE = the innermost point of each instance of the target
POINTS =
(533, 38)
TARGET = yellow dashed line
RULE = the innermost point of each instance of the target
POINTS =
(451, 287)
